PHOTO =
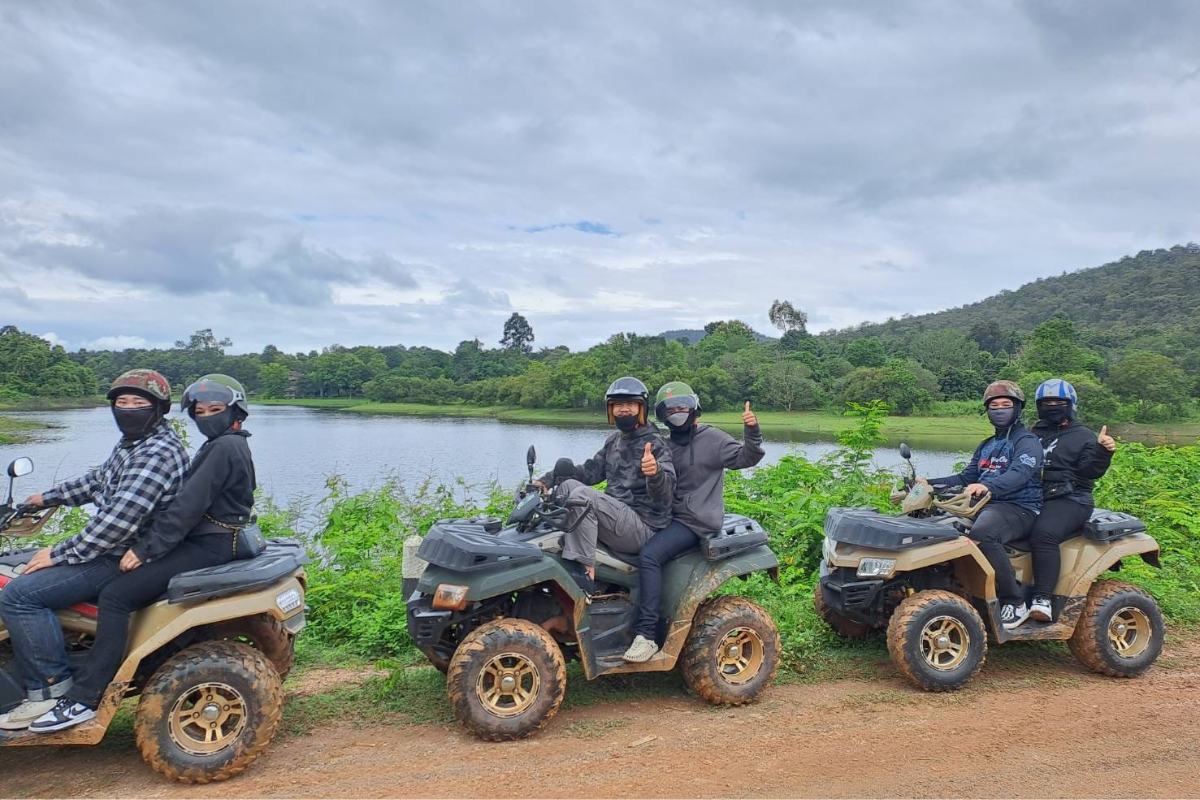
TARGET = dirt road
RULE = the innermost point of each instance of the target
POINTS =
(1048, 731)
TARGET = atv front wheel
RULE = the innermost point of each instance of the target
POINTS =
(506, 680)
(1120, 632)
(209, 712)
(937, 640)
(840, 624)
(732, 651)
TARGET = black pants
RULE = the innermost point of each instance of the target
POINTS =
(672, 540)
(1060, 520)
(999, 523)
(133, 591)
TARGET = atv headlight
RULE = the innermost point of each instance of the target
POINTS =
(289, 600)
(451, 597)
(876, 567)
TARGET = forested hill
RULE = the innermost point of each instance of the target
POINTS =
(1152, 291)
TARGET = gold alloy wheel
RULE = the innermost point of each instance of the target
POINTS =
(740, 655)
(207, 718)
(1130, 632)
(508, 684)
(944, 643)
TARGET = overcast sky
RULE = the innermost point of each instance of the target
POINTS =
(304, 173)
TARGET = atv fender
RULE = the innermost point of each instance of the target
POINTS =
(486, 584)
(1084, 560)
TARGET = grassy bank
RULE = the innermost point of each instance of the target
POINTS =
(13, 431)
(52, 404)
(313, 402)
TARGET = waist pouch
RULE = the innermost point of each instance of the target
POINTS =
(248, 540)
(1057, 489)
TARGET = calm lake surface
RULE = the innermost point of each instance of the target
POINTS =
(297, 449)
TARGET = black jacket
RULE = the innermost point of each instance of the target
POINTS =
(219, 484)
(620, 463)
(1074, 461)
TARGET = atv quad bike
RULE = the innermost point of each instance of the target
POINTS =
(496, 609)
(207, 658)
(919, 577)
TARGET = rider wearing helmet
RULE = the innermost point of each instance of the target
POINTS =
(196, 531)
(1075, 458)
(641, 482)
(701, 454)
(139, 479)
(1009, 465)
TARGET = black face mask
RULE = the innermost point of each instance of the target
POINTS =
(627, 424)
(1002, 418)
(136, 423)
(214, 425)
(1055, 415)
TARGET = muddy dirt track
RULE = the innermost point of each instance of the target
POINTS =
(1052, 730)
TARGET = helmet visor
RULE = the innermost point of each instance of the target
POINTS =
(208, 392)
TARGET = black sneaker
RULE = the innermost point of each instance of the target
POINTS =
(65, 714)
(579, 573)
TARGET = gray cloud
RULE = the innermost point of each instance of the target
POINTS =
(414, 172)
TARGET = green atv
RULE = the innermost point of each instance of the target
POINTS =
(495, 609)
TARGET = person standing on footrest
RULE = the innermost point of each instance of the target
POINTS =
(641, 483)
(198, 530)
(701, 454)
(1075, 459)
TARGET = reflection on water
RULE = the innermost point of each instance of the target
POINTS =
(296, 449)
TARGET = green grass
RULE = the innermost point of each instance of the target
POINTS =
(313, 402)
(53, 404)
(12, 431)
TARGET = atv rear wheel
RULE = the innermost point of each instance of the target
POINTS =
(266, 634)
(1120, 632)
(841, 624)
(732, 652)
(506, 680)
(937, 640)
(209, 712)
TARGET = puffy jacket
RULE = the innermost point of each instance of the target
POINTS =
(1009, 466)
(619, 462)
(1074, 460)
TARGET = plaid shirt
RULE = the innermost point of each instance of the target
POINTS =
(127, 489)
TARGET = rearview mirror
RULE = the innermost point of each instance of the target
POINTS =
(531, 456)
(20, 467)
(905, 451)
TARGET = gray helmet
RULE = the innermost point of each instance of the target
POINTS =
(627, 388)
(215, 388)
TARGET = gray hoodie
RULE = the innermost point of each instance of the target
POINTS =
(700, 466)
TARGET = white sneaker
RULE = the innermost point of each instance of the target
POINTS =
(20, 717)
(641, 650)
(1040, 609)
(65, 714)
(1013, 616)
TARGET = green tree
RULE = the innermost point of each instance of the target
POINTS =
(1055, 346)
(518, 335)
(868, 352)
(273, 380)
(1152, 382)
(787, 317)
(894, 384)
(788, 385)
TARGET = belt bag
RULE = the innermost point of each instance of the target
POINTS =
(248, 541)
(1057, 489)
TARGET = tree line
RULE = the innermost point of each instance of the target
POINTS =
(933, 364)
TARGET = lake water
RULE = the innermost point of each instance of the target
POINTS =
(296, 449)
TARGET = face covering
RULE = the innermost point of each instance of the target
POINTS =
(214, 425)
(1002, 418)
(627, 424)
(679, 419)
(1055, 415)
(135, 423)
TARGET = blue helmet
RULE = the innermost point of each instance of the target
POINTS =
(1057, 388)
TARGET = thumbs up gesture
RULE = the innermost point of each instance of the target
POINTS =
(1106, 441)
(649, 462)
(748, 417)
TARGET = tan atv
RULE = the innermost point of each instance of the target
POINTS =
(922, 579)
(208, 658)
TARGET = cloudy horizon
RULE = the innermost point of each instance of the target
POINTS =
(309, 173)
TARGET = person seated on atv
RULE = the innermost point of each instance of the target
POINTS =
(138, 480)
(1075, 458)
(636, 504)
(701, 454)
(1009, 465)
(196, 531)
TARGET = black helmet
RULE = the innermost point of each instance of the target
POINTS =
(627, 388)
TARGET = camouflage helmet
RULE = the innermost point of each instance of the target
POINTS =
(215, 388)
(144, 383)
(675, 394)
(1008, 389)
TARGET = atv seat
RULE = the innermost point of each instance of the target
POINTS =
(632, 559)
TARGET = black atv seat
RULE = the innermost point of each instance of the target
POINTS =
(281, 558)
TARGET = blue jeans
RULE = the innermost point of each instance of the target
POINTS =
(668, 543)
(27, 606)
